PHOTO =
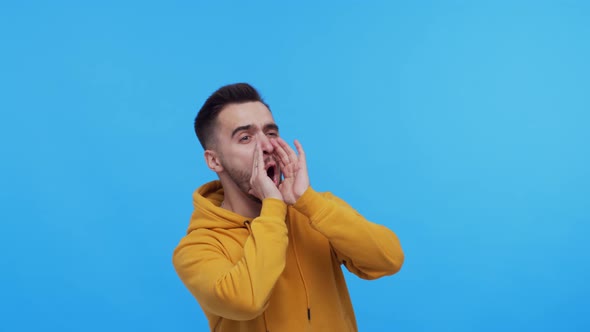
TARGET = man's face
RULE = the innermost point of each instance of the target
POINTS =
(239, 128)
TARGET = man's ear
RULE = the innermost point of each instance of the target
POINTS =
(213, 161)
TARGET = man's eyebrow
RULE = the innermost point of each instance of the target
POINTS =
(267, 127)
(271, 126)
(240, 128)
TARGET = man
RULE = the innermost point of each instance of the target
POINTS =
(263, 249)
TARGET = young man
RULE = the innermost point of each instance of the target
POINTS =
(263, 249)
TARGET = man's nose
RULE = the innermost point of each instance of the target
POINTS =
(266, 145)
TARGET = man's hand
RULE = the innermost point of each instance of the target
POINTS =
(294, 169)
(261, 186)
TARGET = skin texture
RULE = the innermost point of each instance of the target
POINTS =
(247, 142)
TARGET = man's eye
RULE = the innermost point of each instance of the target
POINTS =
(245, 138)
(273, 134)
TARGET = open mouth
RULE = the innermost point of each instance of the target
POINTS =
(273, 173)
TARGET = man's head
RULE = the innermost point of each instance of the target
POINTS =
(233, 120)
(206, 119)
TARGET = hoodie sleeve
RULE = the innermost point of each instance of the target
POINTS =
(236, 291)
(367, 249)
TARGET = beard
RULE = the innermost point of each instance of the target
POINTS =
(241, 177)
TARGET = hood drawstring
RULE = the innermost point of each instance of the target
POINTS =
(305, 287)
(265, 322)
(247, 224)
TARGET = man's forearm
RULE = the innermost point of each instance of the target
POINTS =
(368, 249)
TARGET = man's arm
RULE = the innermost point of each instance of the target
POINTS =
(367, 249)
(236, 291)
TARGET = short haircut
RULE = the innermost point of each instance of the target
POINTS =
(205, 121)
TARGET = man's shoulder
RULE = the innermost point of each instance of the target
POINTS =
(228, 242)
(219, 234)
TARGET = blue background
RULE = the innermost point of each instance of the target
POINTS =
(463, 126)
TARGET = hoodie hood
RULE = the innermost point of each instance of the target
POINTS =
(208, 213)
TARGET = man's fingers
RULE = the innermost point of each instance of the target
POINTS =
(300, 150)
(282, 163)
(258, 161)
(281, 153)
(292, 156)
(255, 159)
(288, 163)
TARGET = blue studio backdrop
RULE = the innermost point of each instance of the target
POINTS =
(461, 125)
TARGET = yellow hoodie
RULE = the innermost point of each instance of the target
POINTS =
(280, 272)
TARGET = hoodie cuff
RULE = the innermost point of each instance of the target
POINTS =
(311, 204)
(272, 207)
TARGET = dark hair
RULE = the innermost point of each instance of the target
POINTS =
(229, 94)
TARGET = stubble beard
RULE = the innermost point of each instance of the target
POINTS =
(242, 180)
